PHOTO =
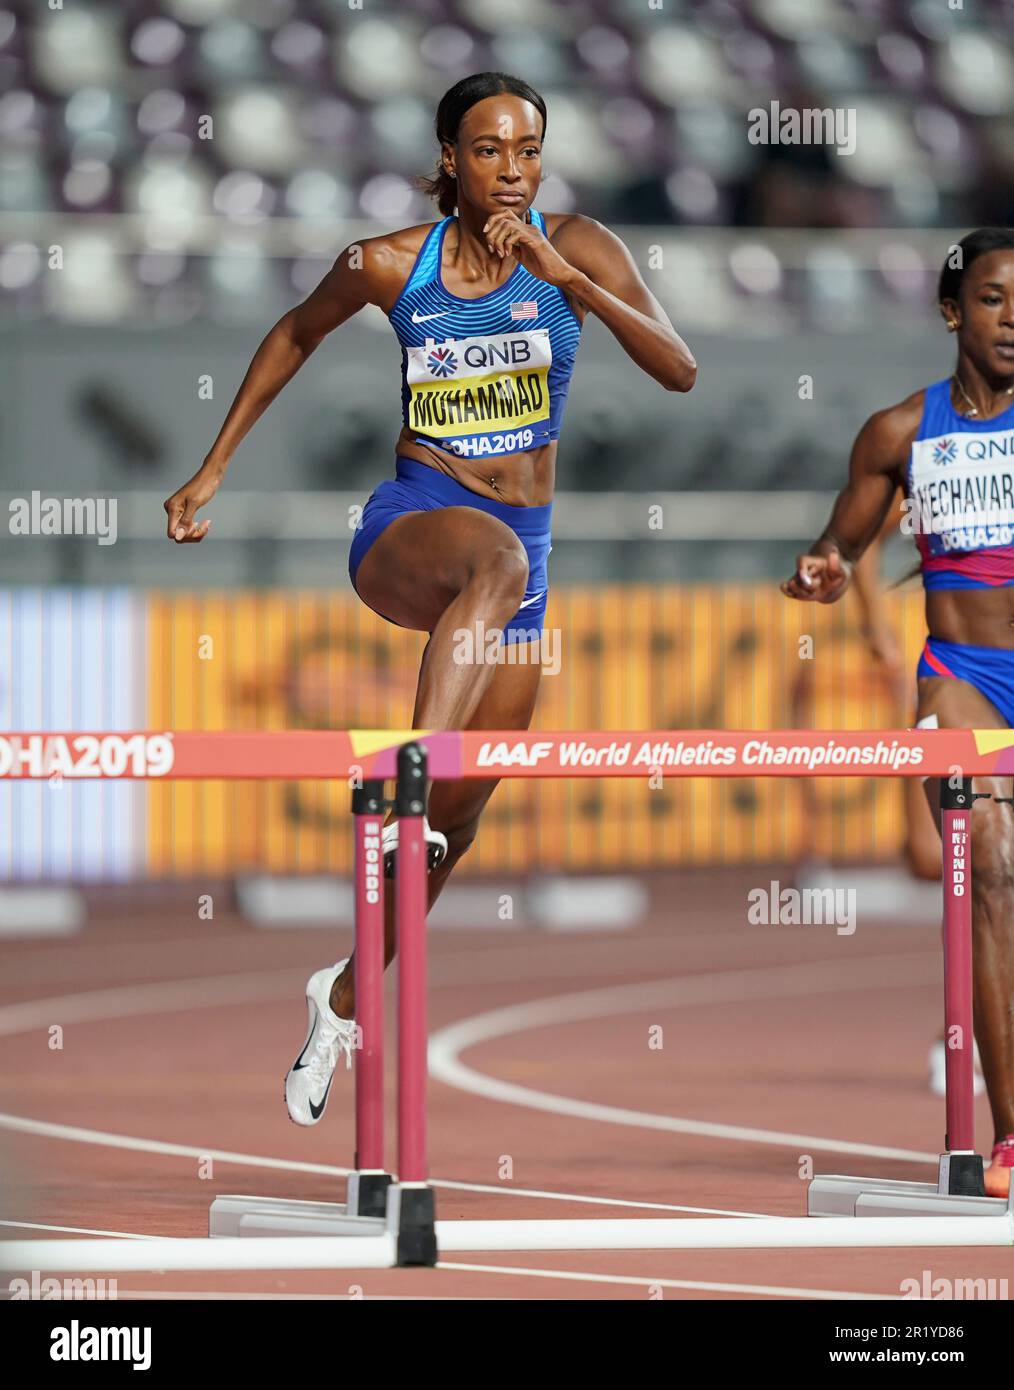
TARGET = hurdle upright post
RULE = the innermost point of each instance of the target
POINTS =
(368, 1184)
(413, 1199)
(961, 1172)
(960, 1188)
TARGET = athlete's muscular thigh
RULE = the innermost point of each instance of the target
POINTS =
(422, 560)
(959, 705)
(507, 703)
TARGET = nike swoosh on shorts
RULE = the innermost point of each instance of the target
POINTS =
(529, 601)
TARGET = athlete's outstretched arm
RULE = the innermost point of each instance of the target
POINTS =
(342, 292)
(861, 508)
(593, 266)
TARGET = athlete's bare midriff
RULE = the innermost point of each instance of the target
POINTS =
(522, 480)
(972, 617)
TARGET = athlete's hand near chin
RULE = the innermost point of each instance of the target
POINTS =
(597, 272)
(506, 233)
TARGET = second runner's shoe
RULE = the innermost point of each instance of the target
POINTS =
(999, 1170)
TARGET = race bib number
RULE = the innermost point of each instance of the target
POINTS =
(962, 490)
(466, 388)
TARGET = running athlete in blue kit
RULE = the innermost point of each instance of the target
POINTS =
(488, 305)
(951, 448)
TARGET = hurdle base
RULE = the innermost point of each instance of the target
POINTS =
(408, 1219)
(366, 1193)
(281, 1216)
(411, 1212)
(836, 1195)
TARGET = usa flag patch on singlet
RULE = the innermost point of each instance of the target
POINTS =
(527, 309)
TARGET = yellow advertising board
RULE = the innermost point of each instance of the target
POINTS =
(628, 657)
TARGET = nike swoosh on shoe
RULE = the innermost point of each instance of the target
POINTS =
(317, 1110)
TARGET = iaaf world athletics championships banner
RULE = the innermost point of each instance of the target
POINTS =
(354, 755)
(631, 657)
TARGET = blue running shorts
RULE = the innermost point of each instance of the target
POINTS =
(989, 669)
(419, 488)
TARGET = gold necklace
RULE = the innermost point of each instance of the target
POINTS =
(973, 409)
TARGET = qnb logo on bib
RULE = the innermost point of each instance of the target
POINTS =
(442, 362)
(482, 395)
(968, 503)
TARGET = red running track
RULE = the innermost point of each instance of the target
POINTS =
(178, 1032)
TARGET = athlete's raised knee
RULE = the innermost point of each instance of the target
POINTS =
(501, 573)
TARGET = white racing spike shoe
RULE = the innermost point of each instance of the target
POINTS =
(436, 846)
(309, 1080)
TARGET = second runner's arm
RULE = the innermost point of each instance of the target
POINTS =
(861, 508)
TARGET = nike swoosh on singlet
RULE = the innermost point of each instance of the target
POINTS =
(421, 318)
(529, 601)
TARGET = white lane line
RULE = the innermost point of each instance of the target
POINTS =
(76, 1135)
(165, 996)
(768, 982)
(596, 1201)
(81, 1230)
(182, 1295)
(775, 1290)
(126, 1001)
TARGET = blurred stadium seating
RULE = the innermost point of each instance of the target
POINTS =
(199, 163)
(322, 115)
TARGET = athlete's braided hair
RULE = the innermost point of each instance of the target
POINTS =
(970, 248)
(453, 105)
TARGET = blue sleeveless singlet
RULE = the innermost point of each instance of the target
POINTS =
(483, 376)
(960, 478)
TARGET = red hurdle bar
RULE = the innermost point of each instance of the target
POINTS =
(325, 754)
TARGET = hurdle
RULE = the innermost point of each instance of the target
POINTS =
(395, 1215)
(959, 1189)
(388, 1218)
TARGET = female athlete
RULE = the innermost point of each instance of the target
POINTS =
(488, 306)
(951, 448)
